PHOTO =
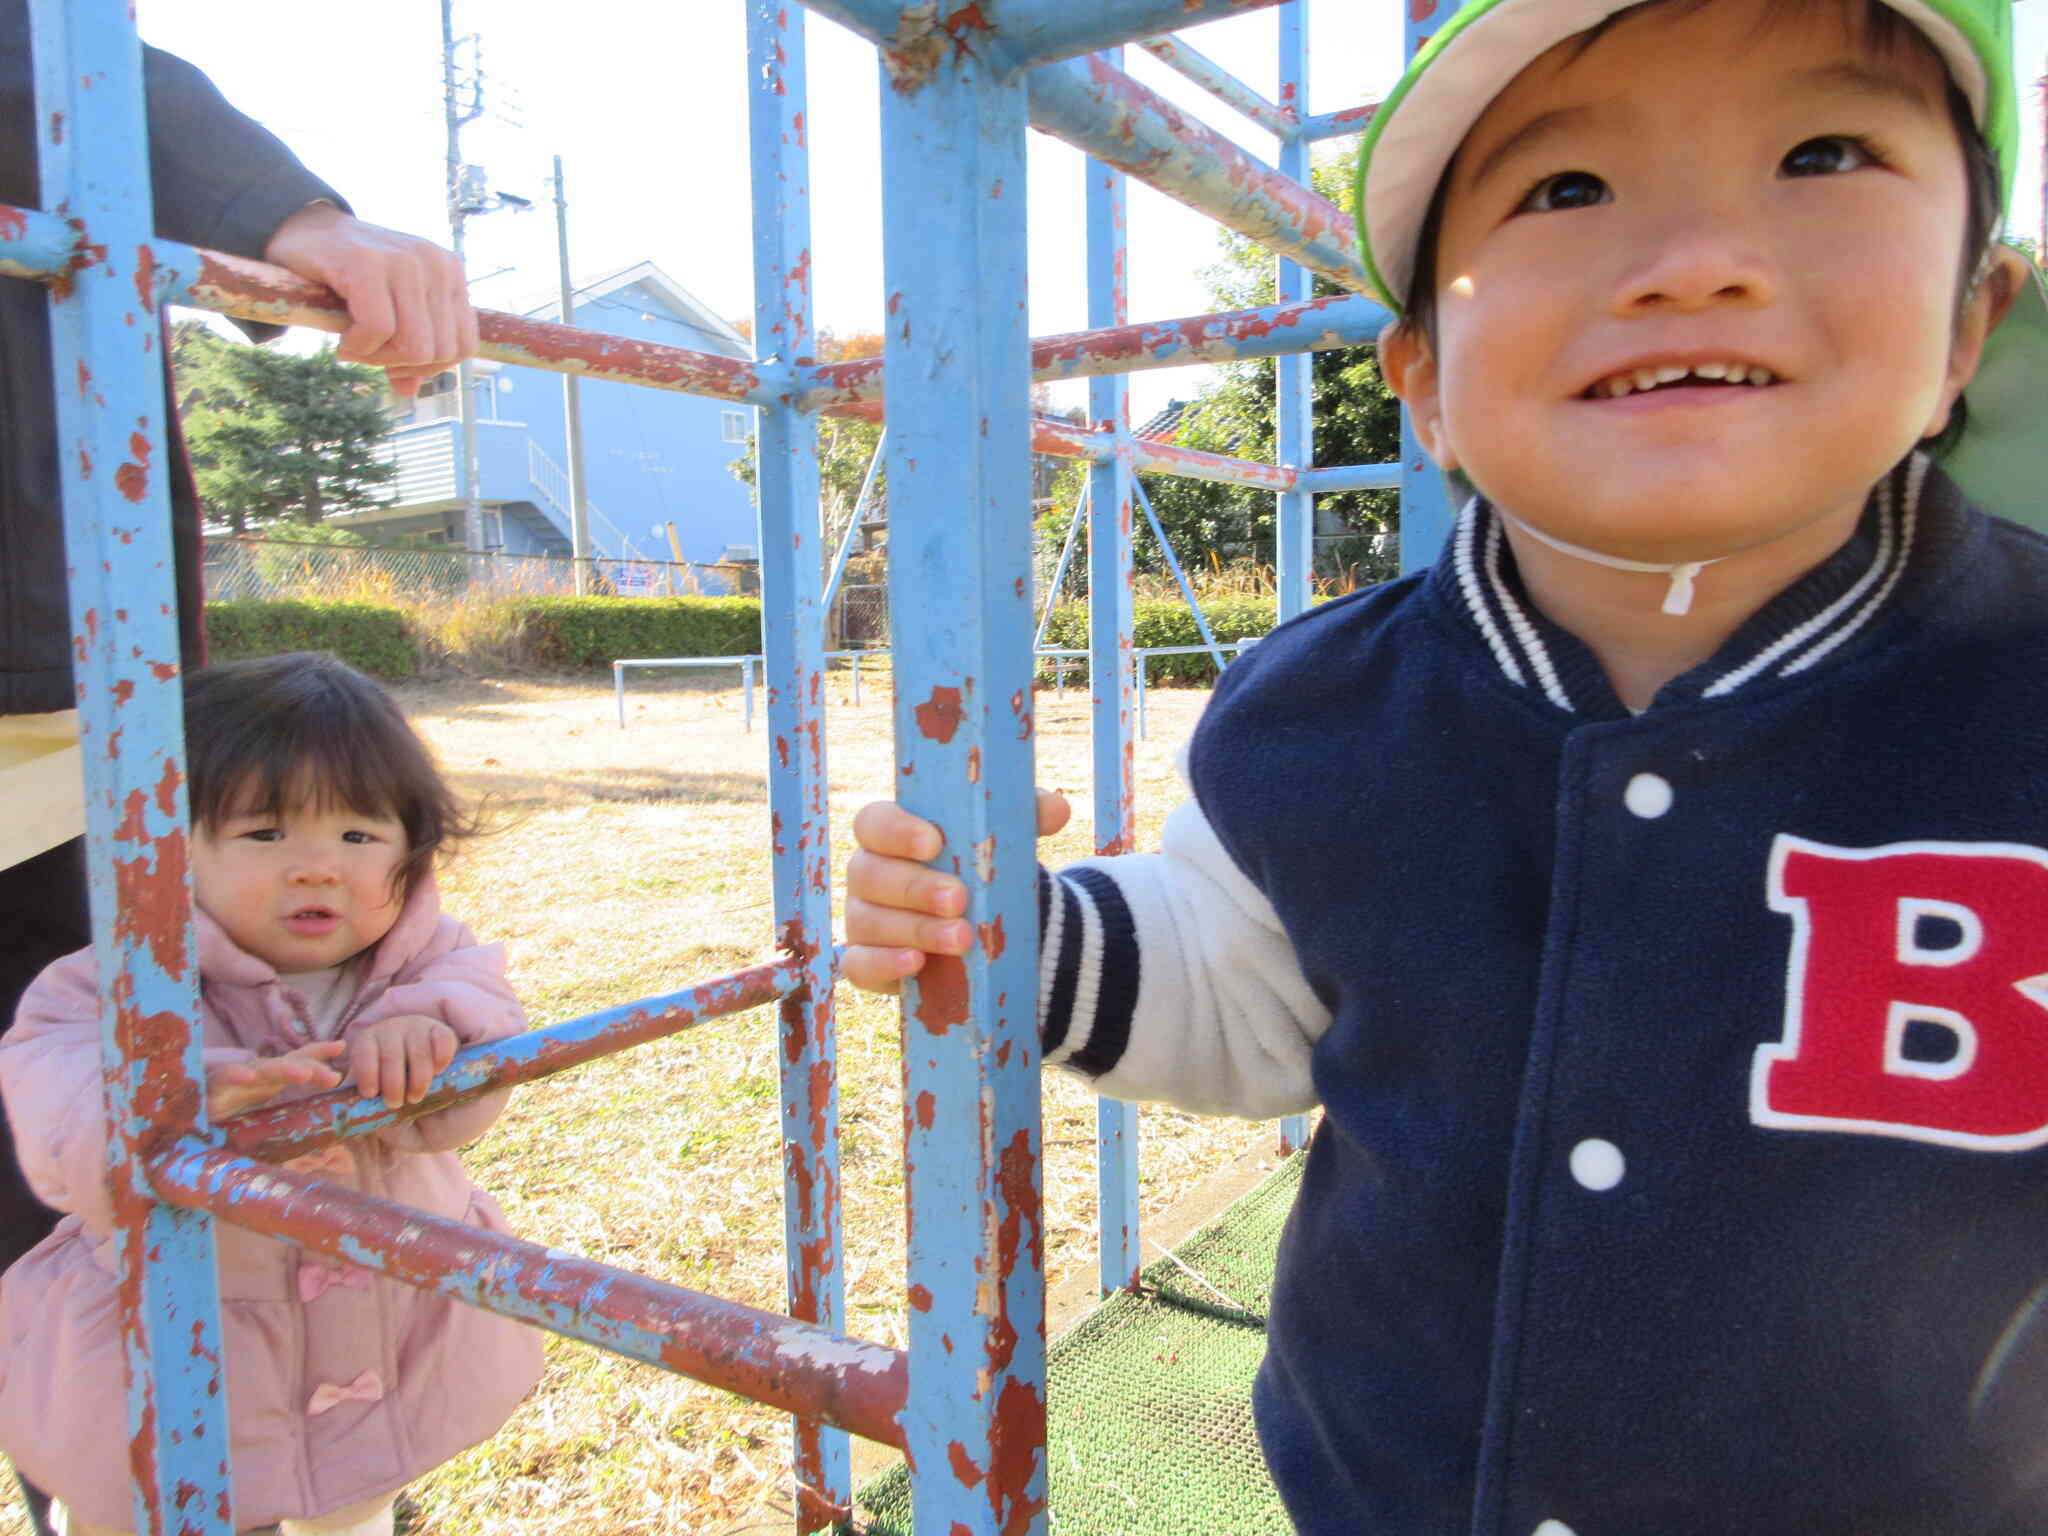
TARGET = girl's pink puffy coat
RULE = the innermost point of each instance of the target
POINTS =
(424, 1377)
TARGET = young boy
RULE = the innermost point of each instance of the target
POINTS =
(1655, 894)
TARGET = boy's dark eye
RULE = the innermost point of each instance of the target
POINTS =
(1565, 191)
(358, 837)
(1828, 156)
(262, 834)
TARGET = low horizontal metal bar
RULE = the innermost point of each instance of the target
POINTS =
(1273, 330)
(1103, 112)
(1351, 477)
(789, 1365)
(1222, 84)
(1334, 125)
(287, 1130)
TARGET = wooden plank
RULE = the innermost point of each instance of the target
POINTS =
(39, 784)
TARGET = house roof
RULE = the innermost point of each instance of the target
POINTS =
(678, 299)
(1164, 427)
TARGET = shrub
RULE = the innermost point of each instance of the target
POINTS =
(577, 632)
(1170, 623)
(374, 639)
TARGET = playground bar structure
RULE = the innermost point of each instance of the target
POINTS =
(965, 1401)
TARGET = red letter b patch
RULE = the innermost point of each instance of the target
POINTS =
(1916, 996)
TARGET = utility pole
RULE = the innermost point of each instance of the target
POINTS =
(456, 114)
(572, 405)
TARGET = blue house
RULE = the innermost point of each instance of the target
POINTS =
(651, 458)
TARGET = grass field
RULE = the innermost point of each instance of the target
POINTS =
(633, 862)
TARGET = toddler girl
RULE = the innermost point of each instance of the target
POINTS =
(323, 957)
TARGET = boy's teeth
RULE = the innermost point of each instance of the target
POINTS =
(1670, 373)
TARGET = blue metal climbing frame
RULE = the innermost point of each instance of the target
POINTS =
(965, 1400)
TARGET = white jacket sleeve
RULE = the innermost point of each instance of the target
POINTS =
(1167, 976)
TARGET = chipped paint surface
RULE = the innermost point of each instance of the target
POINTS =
(793, 644)
(1336, 320)
(1103, 112)
(99, 264)
(958, 360)
(1282, 120)
(1112, 485)
(282, 1131)
(938, 718)
(787, 1364)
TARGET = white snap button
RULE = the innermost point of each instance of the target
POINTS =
(1598, 1165)
(1648, 796)
(1554, 1528)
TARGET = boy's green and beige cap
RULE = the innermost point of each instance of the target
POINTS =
(2002, 460)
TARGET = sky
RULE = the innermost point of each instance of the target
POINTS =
(646, 105)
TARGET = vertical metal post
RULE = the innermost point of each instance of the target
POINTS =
(958, 358)
(1294, 430)
(105, 336)
(1426, 510)
(1295, 414)
(572, 403)
(1111, 487)
(793, 644)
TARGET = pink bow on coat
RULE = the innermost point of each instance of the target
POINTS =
(366, 1388)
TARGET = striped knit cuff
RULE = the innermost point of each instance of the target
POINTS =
(1087, 970)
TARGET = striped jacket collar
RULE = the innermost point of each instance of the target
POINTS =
(1913, 513)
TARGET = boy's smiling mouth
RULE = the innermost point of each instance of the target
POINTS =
(1648, 377)
(311, 919)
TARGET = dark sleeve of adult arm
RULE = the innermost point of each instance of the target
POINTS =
(221, 179)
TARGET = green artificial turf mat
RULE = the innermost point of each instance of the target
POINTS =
(1150, 1396)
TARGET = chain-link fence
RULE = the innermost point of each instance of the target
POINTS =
(239, 567)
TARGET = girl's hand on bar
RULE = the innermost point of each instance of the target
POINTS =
(398, 1058)
(898, 908)
(234, 1086)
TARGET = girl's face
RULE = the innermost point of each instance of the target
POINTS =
(304, 889)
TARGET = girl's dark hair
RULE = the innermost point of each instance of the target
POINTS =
(266, 735)
(1885, 30)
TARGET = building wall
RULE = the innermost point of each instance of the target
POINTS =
(650, 456)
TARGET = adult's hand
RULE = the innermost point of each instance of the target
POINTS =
(408, 302)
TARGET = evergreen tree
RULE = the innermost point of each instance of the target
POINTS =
(277, 437)
(1357, 421)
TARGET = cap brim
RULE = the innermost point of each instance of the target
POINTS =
(1483, 46)
(2001, 461)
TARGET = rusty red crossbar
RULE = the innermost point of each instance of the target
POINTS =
(282, 1131)
(1335, 320)
(252, 290)
(794, 1366)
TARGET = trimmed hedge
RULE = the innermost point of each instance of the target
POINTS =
(375, 640)
(1170, 623)
(577, 632)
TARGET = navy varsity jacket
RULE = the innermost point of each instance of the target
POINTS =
(1685, 1074)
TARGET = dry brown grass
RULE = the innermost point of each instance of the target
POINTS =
(631, 862)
